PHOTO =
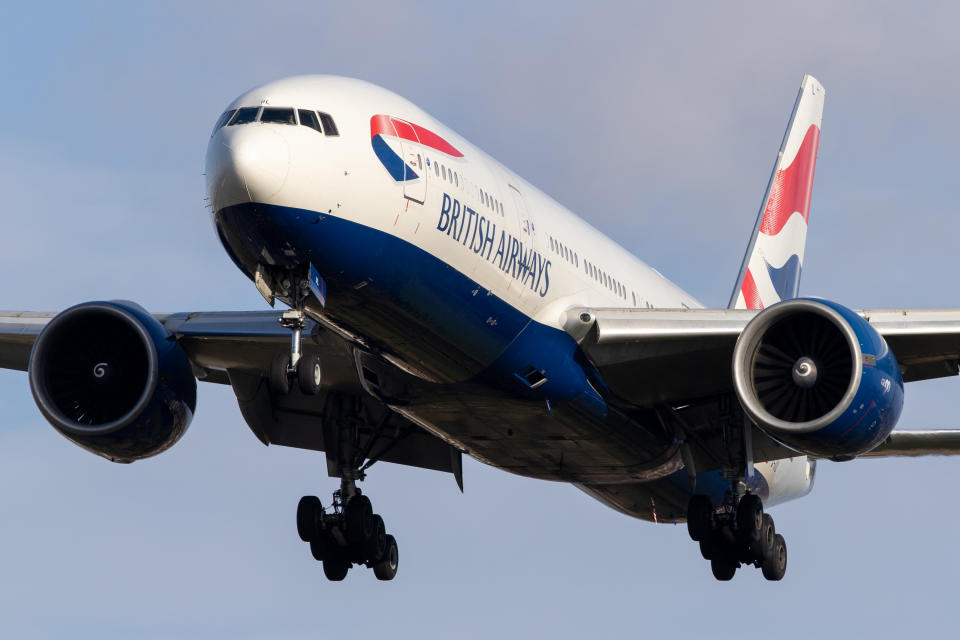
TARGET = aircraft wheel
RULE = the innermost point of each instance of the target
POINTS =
(376, 544)
(764, 546)
(386, 569)
(749, 519)
(279, 374)
(710, 547)
(359, 516)
(723, 568)
(318, 548)
(309, 374)
(775, 564)
(335, 565)
(309, 511)
(699, 512)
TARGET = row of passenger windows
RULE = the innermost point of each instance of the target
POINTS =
(590, 269)
(317, 120)
(458, 180)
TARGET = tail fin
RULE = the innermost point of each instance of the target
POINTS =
(771, 266)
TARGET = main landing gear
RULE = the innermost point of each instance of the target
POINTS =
(736, 533)
(295, 366)
(349, 533)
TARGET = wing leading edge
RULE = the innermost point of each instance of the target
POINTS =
(236, 348)
(656, 357)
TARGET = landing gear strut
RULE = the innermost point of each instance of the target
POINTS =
(304, 368)
(736, 533)
(348, 533)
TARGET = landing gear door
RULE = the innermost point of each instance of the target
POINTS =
(414, 162)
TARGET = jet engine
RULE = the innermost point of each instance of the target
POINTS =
(111, 378)
(818, 378)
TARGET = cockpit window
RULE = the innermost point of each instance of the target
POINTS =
(309, 119)
(278, 115)
(244, 115)
(223, 120)
(329, 128)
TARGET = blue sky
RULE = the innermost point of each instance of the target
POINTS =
(659, 125)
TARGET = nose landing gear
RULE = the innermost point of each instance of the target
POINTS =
(736, 533)
(304, 368)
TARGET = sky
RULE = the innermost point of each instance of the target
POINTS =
(657, 123)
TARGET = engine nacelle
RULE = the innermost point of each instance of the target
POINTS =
(817, 377)
(111, 378)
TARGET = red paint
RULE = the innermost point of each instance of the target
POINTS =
(751, 296)
(385, 125)
(381, 125)
(792, 187)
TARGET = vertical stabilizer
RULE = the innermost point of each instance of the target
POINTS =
(771, 266)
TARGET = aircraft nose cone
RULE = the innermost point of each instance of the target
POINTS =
(249, 163)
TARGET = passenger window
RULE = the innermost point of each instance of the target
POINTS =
(309, 119)
(436, 168)
(329, 128)
(456, 180)
(444, 169)
(224, 119)
(278, 115)
(419, 162)
(244, 115)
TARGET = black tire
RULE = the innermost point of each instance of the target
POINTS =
(319, 547)
(749, 519)
(279, 374)
(699, 517)
(376, 544)
(710, 547)
(723, 568)
(764, 546)
(359, 516)
(309, 374)
(335, 565)
(775, 564)
(386, 569)
(309, 512)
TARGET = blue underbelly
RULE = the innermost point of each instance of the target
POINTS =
(409, 302)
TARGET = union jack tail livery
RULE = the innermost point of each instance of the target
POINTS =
(771, 266)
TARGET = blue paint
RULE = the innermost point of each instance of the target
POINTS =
(440, 319)
(318, 287)
(785, 279)
(875, 408)
(394, 164)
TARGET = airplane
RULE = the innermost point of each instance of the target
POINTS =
(435, 304)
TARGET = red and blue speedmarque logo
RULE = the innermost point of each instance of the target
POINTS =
(381, 125)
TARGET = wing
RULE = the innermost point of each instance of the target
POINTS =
(651, 358)
(236, 348)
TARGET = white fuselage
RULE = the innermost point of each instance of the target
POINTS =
(394, 169)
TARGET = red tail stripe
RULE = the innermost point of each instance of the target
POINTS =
(792, 186)
(751, 296)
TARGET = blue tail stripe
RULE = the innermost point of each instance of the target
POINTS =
(786, 279)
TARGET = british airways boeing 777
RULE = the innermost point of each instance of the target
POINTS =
(436, 304)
